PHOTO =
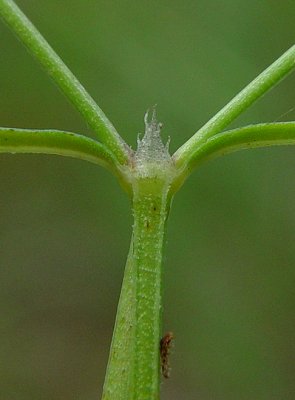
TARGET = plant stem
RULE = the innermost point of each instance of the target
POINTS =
(64, 78)
(151, 203)
(257, 88)
(247, 137)
(62, 143)
(133, 367)
(49, 141)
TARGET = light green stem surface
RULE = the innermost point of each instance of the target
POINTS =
(150, 207)
(133, 367)
(14, 140)
(63, 77)
(247, 137)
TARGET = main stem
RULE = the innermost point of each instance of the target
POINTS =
(150, 207)
(133, 367)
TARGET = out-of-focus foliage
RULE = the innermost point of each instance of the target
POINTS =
(65, 225)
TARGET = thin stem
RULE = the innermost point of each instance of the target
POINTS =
(64, 78)
(248, 137)
(257, 88)
(61, 143)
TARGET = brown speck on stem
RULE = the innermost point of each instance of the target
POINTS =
(165, 346)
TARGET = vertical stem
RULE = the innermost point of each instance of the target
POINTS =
(150, 207)
(133, 367)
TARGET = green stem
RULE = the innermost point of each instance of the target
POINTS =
(248, 137)
(133, 367)
(14, 140)
(257, 88)
(151, 204)
(64, 78)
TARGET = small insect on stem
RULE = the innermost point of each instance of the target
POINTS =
(165, 346)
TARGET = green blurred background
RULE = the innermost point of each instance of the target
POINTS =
(65, 224)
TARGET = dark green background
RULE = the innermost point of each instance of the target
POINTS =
(65, 224)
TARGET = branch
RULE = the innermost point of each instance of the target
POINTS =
(248, 137)
(57, 142)
(257, 88)
(63, 77)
